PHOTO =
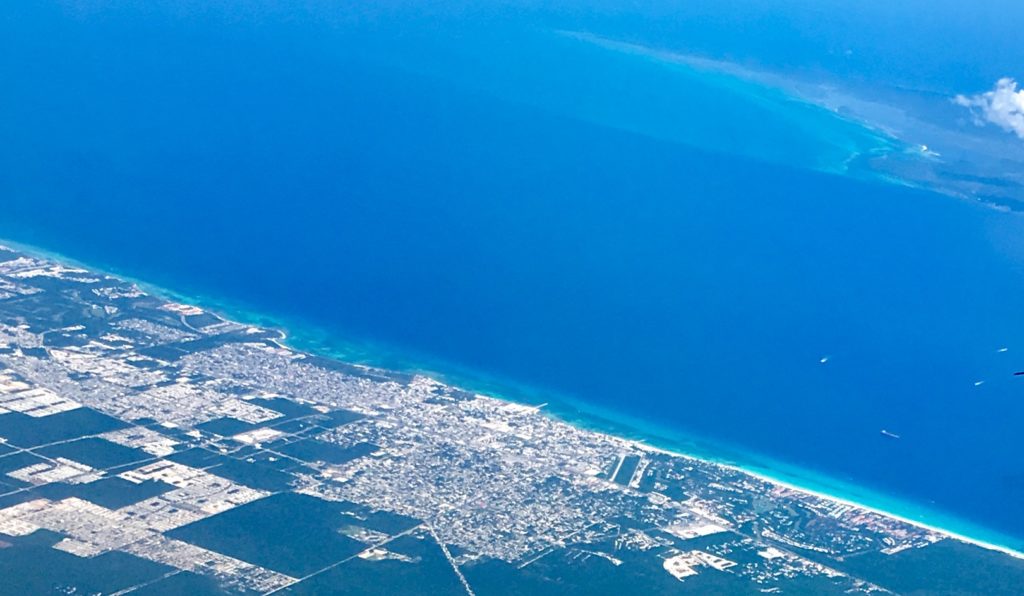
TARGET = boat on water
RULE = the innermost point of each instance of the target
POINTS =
(891, 435)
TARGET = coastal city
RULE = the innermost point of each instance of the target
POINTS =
(152, 447)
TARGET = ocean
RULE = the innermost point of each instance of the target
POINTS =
(689, 256)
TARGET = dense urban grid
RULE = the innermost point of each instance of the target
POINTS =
(153, 447)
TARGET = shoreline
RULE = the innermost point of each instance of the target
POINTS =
(809, 482)
(642, 434)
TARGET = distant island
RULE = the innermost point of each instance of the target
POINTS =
(152, 447)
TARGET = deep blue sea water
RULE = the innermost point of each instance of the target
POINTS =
(475, 190)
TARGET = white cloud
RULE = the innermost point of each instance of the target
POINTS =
(1002, 106)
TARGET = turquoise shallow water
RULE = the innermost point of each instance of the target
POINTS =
(664, 247)
(662, 95)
